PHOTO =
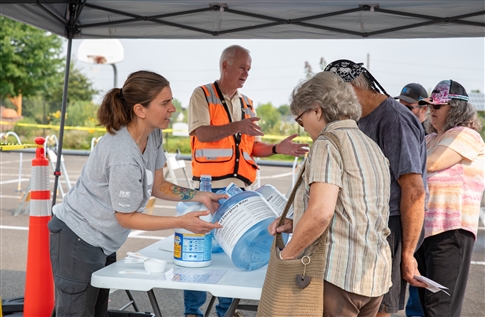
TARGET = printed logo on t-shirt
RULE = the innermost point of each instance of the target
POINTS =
(149, 178)
(124, 205)
(124, 194)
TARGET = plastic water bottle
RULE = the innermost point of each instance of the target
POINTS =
(245, 218)
(205, 185)
(192, 249)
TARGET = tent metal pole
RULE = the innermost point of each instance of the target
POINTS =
(57, 172)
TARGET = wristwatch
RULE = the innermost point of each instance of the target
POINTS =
(274, 149)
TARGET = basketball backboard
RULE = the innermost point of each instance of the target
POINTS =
(105, 51)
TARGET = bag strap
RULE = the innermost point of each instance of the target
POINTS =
(278, 237)
(332, 138)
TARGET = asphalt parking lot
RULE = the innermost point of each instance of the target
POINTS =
(14, 232)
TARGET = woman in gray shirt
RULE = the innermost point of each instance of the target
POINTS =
(124, 170)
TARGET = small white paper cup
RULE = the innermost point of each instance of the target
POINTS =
(155, 265)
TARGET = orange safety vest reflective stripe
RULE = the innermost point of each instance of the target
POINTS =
(229, 157)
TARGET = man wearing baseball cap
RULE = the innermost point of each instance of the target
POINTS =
(409, 97)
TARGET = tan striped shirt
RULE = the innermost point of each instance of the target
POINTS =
(358, 257)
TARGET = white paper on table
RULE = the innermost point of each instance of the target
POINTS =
(169, 274)
(198, 275)
(432, 285)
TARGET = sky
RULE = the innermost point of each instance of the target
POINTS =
(278, 65)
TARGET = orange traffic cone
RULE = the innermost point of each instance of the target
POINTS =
(39, 284)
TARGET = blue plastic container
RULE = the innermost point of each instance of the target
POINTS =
(245, 218)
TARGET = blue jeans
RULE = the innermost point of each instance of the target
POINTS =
(193, 300)
(413, 307)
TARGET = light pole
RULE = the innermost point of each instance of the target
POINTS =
(106, 51)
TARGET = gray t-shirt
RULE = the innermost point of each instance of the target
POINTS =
(400, 136)
(116, 177)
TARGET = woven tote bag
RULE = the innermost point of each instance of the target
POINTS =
(281, 294)
(282, 297)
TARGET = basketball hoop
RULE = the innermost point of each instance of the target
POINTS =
(108, 51)
(97, 59)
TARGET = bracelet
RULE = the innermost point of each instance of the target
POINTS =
(274, 149)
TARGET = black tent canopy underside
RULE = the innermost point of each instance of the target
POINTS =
(246, 19)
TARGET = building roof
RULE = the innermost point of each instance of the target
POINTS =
(477, 99)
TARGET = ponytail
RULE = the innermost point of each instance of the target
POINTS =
(112, 113)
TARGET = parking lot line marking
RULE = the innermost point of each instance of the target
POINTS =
(15, 228)
(14, 181)
(137, 234)
(276, 176)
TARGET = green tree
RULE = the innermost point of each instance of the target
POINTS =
(80, 87)
(269, 115)
(37, 108)
(180, 113)
(31, 61)
(82, 113)
(284, 110)
(41, 106)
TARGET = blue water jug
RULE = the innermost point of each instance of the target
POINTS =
(245, 238)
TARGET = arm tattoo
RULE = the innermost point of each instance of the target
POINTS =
(185, 193)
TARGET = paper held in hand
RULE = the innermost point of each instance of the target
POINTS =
(432, 285)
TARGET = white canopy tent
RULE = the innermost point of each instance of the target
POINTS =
(245, 19)
(250, 19)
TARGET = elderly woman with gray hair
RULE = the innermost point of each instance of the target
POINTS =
(455, 169)
(347, 191)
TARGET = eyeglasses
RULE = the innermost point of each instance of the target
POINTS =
(298, 118)
(436, 107)
(414, 107)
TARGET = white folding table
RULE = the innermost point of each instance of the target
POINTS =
(235, 283)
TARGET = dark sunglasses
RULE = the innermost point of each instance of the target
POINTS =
(436, 107)
(298, 118)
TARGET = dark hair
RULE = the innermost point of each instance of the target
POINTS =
(461, 114)
(141, 87)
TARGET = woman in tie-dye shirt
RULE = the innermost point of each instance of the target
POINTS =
(455, 170)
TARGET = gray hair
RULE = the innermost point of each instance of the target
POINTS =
(461, 114)
(362, 82)
(229, 53)
(328, 91)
